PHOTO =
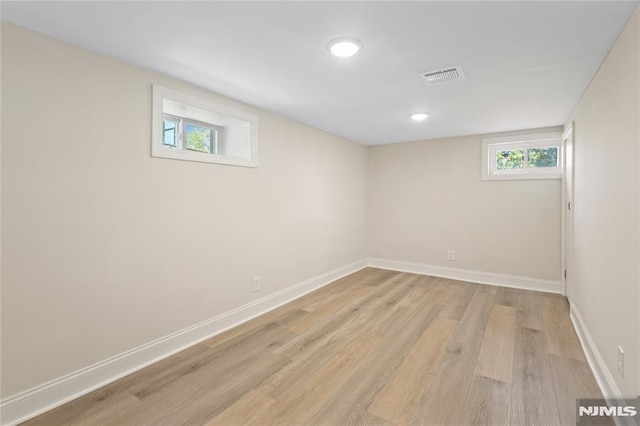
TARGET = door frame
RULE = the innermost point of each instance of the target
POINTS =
(566, 267)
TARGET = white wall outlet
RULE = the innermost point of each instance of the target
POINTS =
(256, 284)
(451, 255)
(621, 362)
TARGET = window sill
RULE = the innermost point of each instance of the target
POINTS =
(523, 176)
(202, 157)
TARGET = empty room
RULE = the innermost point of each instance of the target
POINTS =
(320, 213)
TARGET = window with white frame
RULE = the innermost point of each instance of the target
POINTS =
(522, 157)
(182, 133)
(193, 129)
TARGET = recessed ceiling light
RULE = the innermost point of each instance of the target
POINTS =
(344, 46)
(419, 116)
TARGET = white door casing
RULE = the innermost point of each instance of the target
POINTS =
(567, 210)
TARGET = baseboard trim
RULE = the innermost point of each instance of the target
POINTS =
(478, 277)
(600, 371)
(45, 397)
(603, 376)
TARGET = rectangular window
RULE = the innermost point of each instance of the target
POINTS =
(193, 129)
(509, 160)
(546, 157)
(199, 137)
(522, 157)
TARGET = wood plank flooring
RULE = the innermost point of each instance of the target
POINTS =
(374, 348)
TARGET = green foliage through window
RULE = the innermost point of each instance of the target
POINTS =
(508, 160)
(542, 157)
(198, 138)
(535, 158)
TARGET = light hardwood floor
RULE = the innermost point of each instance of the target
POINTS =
(376, 348)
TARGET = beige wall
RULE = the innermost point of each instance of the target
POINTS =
(607, 207)
(105, 248)
(427, 197)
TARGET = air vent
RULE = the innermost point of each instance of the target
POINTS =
(441, 75)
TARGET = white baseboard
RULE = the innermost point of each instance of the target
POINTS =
(602, 374)
(478, 277)
(600, 371)
(40, 399)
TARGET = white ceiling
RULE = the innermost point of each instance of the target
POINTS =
(526, 63)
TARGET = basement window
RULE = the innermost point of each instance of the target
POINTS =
(522, 157)
(182, 133)
(194, 129)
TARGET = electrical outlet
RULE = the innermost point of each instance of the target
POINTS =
(256, 284)
(621, 362)
(451, 255)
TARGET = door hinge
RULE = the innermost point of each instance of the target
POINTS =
(565, 274)
(570, 205)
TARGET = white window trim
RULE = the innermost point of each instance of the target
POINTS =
(491, 145)
(158, 149)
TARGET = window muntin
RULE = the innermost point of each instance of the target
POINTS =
(522, 157)
(189, 128)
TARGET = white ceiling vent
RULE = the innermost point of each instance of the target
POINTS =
(444, 74)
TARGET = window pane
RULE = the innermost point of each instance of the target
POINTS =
(169, 133)
(508, 160)
(543, 157)
(198, 138)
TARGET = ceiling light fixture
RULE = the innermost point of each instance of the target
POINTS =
(419, 116)
(344, 47)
